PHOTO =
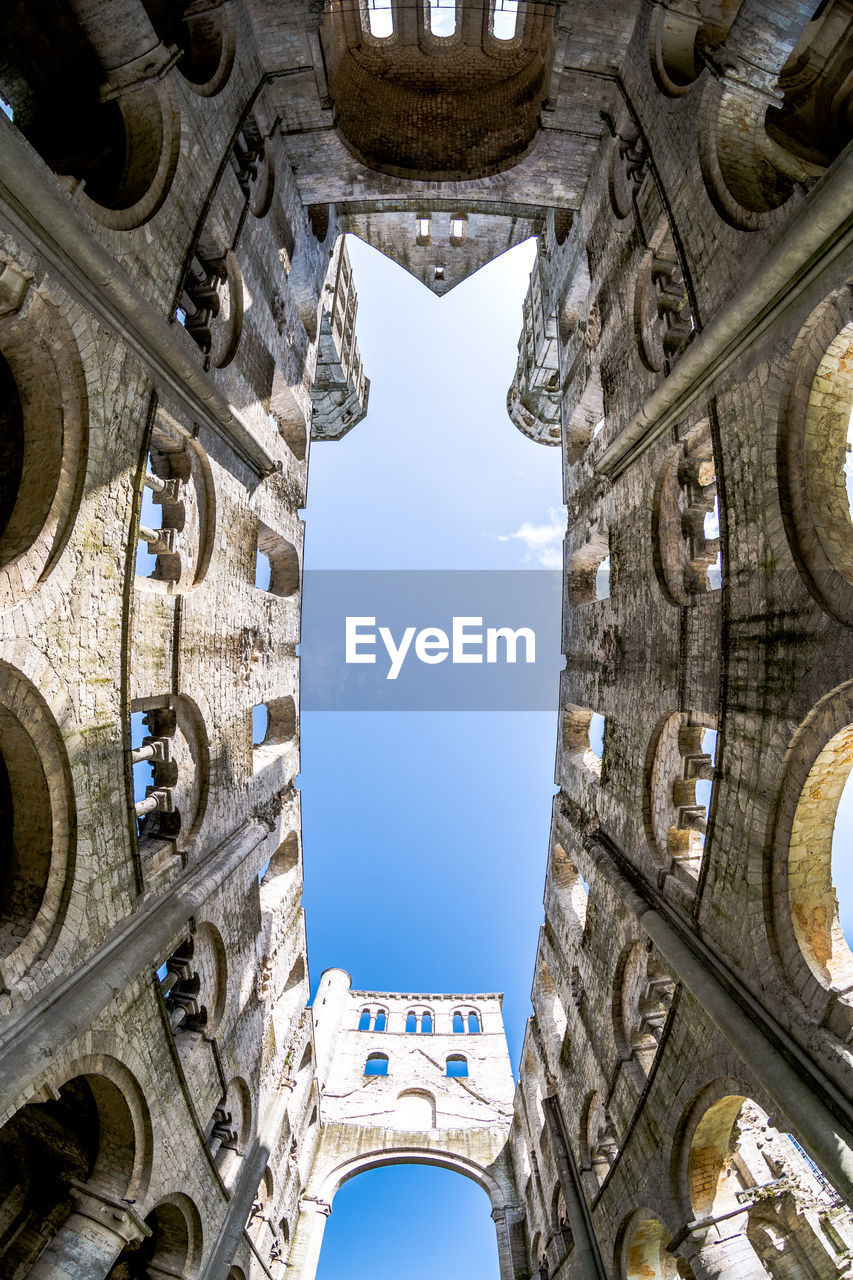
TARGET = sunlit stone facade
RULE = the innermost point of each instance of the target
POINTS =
(177, 323)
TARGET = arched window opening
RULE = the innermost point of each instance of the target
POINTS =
(168, 759)
(550, 1009)
(596, 734)
(644, 996)
(276, 563)
(734, 1150)
(379, 1024)
(571, 892)
(205, 39)
(663, 319)
(415, 1110)
(426, 1024)
(505, 19)
(473, 1024)
(646, 1254)
(458, 228)
(89, 1129)
(458, 1024)
(380, 18)
(599, 1142)
(376, 1064)
(457, 1066)
(152, 538)
(229, 1128)
(411, 1023)
(213, 298)
(583, 739)
(175, 1230)
(686, 521)
(826, 465)
(273, 729)
(589, 572)
(442, 17)
(840, 869)
(820, 884)
(364, 1020)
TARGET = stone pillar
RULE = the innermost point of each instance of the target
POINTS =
(587, 1253)
(511, 1257)
(308, 1238)
(123, 38)
(720, 1250)
(91, 1238)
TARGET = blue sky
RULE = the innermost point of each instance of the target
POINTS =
(425, 834)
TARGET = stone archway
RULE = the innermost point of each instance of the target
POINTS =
(345, 1151)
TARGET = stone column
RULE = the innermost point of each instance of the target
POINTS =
(91, 1238)
(587, 1253)
(308, 1238)
(124, 40)
(720, 1250)
(511, 1259)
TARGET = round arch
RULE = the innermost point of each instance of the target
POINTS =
(342, 1172)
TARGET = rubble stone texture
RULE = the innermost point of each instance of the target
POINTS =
(177, 324)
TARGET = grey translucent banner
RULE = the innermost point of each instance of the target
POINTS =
(431, 640)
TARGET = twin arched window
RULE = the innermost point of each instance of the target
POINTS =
(419, 1023)
(372, 1020)
(473, 1026)
(376, 1064)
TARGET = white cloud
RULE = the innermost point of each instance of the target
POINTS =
(543, 543)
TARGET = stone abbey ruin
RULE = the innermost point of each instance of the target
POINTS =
(177, 326)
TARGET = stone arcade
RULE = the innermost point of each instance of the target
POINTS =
(177, 325)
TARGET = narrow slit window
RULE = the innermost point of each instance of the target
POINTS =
(260, 721)
(602, 579)
(424, 229)
(596, 735)
(263, 570)
(473, 1024)
(376, 1065)
(505, 19)
(364, 1020)
(457, 1066)
(458, 1024)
